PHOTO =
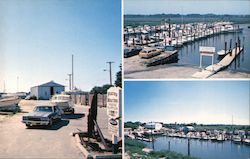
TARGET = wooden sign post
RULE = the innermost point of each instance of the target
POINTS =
(206, 51)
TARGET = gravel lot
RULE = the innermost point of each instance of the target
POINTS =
(16, 141)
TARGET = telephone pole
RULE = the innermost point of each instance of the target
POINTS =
(110, 71)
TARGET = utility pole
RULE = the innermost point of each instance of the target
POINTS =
(110, 71)
(72, 73)
(70, 88)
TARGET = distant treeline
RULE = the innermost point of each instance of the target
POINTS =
(135, 125)
(155, 19)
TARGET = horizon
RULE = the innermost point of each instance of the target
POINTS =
(187, 6)
(185, 123)
(205, 102)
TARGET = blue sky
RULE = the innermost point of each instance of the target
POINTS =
(186, 6)
(38, 38)
(207, 102)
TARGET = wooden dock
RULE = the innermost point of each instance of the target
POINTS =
(225, 62)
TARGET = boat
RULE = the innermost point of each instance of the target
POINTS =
(247, 142)
(237, 139)
(9, 103)
(131, 51)
(64, 102)
(147, 53)
(222, 52)
(220, 138)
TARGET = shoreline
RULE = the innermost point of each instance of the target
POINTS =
(135, 70)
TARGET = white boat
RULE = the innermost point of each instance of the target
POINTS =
(247, 142)
(9, 103)
(64, 102)
(237, 139)
(222, 52)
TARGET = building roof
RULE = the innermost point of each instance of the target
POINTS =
(50, 84)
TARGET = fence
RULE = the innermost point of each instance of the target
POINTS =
(87, 99)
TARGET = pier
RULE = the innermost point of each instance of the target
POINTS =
(214, 68)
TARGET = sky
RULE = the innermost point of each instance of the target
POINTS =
(186, 6)
(37, 39)
(203, 102)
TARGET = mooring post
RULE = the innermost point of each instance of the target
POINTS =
(168, 145)
(235, 49)
(225, 47)
(243, 42)
(188, 147)
(230, 47)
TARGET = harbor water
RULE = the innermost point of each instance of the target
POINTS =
(202, 149)
(189, 53)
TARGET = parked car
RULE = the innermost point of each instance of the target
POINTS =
(42, 115)
(64, 102)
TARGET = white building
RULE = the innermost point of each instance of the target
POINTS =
(153, 125)
(46, 90)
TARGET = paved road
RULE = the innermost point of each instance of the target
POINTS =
(16, 141)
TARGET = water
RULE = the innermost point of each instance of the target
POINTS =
(203, 149)
(189, 54)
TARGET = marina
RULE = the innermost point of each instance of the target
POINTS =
(187, 44)
(201, 148)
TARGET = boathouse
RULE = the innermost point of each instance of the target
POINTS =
(47, 90)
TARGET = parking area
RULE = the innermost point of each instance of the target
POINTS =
(16, 141)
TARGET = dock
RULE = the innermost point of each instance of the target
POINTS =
(214, 68)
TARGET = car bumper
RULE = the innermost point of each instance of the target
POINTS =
(28, 122)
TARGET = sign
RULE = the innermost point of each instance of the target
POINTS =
(114, 111)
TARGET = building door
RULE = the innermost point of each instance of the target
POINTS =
(51, 91)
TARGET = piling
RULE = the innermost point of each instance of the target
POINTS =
(225, 47)
(188, 147)
(230, 47)
(168, 145)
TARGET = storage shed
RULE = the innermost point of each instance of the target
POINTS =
(47, 90)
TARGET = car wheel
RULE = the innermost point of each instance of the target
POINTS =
(28, 125)
(50, 122)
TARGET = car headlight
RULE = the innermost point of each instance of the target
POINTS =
(44, 118)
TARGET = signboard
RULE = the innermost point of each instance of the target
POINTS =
(114, 111)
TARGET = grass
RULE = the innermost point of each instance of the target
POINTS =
(134, 149)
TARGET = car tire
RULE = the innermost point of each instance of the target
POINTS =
(50, 122)
(28, 125)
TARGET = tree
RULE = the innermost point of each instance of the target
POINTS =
(100, 90)
(118, 81)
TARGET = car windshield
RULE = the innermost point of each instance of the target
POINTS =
(43, 109)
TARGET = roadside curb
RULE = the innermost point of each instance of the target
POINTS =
(92, 156)
(81, 148)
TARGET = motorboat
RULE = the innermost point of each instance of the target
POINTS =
(222, 52)
(149, 52)
(64, 102)
(131, 51)
(9, 103)
(237, 139)
(247, 142)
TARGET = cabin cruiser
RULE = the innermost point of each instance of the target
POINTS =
(149, 52)
(9, 103)
(64, 102)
